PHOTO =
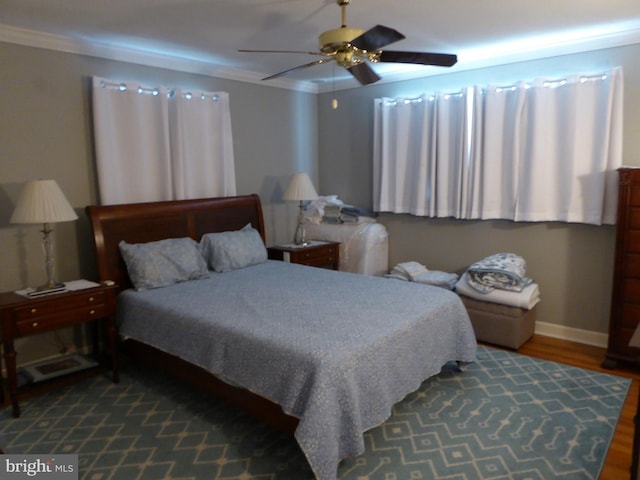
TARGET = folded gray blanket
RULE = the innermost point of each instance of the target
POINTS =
(505, 271)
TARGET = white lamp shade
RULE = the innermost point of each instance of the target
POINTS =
(42, 201)
(300, 188)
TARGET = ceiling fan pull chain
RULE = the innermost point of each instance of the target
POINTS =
(334, 101)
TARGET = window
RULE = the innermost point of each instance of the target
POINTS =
(158, 144)
(545, 150)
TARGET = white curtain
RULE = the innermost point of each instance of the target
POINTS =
(131, 131)
(540, 151)
(574, 131)
(452, 145)
(500, 147)
(201, 145)
(411, 135)
(154, 144)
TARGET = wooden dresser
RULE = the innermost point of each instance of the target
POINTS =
(625, 301)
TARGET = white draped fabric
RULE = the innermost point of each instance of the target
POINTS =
(153, 144)
(409, 135)
(201, 145)
(131, 133)
(500, 148)
(540, 151)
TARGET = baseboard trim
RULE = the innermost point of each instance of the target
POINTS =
(572, 334)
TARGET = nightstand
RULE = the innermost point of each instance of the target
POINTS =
(23, 316)
(315, 254)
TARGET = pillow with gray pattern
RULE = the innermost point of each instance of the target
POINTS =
(164, 262)
(226, 251)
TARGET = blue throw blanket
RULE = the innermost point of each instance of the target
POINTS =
(505, 271)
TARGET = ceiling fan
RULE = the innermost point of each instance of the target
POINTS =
(351, 48)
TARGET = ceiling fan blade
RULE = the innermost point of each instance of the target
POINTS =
(423, 58)
(363, 73)
(376, 38)
(280, 51)
(299, 67)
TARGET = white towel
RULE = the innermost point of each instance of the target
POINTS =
(416, 272)
(410, 269)
(527, 298)
(437, 278)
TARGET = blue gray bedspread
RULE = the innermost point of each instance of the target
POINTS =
(334, 349)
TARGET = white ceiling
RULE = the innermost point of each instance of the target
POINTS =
(204, 35)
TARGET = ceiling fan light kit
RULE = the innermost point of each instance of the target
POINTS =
(353, 48)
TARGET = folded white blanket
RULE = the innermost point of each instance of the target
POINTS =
(409, 269)
(527, 298)
(416, 272)
(437, 278)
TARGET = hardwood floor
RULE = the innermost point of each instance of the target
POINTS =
(618, 463)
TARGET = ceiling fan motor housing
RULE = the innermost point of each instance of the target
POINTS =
(335, 39)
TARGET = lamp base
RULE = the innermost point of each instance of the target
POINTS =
(52, 285)
(299, 237)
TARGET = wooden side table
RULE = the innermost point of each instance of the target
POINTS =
(23, 316)
(316, 254)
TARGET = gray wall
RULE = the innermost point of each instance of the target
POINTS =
(45, 132)
(572, 263)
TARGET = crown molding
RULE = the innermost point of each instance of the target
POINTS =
(503, 54)
(469, 60)
(60, 43)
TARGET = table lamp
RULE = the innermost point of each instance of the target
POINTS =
(42, 201)
(300, 189)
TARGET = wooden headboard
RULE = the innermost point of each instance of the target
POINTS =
(147, 222)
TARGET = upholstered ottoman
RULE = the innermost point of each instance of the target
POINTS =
(500, 324)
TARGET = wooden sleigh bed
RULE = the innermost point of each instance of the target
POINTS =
(317, 353)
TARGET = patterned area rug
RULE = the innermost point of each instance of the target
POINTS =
(507, 416)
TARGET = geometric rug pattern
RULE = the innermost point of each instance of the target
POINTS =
(506, 416)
